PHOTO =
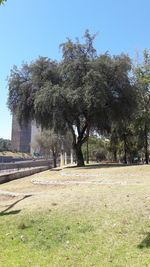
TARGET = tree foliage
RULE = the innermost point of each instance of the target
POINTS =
(123, 142)
(49, 143)
(81, 92)
(5, 144)
(142, 78)
(2, 1)
(97, 148)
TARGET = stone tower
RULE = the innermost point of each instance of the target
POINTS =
(23, 136)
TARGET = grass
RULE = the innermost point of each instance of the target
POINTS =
(17, 154)
(77, 225)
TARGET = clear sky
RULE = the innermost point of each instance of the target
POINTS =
(33, 28)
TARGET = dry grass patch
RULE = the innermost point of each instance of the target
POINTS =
(77, 225)
(12, 154)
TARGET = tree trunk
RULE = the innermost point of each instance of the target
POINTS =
(115, 155)
(125, 149)
(54, 160)
(146, 145)
(79, 155)
(87, 152)
(71, 156)
(79, 140)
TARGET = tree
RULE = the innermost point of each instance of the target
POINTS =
(113, 145)
(123, 141)
(142, 78)
(26, 82)
(97, 148)
(2, 1)
(83, 91)
(49, 144)
(5, 144)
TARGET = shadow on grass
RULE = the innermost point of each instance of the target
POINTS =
(55, 170)
(4, 212)
(145, 242)
(13, 212)
(99, 166)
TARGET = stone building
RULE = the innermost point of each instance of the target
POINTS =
(23, 136)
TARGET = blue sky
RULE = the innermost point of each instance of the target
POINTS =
(33, 28)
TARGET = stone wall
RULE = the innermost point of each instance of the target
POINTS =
(25, 164)
(4, 178)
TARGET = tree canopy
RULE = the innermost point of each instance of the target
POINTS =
(2, 1)
(5, 144)
(142, 78)
(82, 92)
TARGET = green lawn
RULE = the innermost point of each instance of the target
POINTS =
(78, 225)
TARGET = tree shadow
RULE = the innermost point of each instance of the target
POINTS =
(55, 170)
(4, 212)
(100, 166)
(13, 212)
(109, 165)
(145, 242)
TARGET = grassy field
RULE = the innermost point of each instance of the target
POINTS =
(78, 224)
(13, 154)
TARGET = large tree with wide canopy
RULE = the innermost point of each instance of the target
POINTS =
(82, 92)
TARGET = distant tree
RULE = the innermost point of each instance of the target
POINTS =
(49, 144)
(96, 147)
(82, 91)
(114, 142)
(5, 144)
(142, 78)
(126, 142)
